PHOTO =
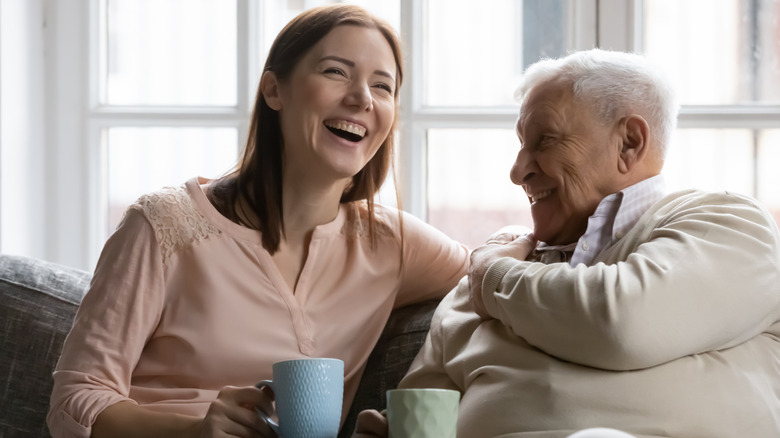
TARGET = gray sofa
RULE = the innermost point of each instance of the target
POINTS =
(38, 301)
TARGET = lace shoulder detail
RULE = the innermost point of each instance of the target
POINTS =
(176, 222)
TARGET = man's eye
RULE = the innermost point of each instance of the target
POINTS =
(546, 139)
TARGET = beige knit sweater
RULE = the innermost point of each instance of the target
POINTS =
(673, 332)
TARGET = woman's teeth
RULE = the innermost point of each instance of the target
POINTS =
(347, 127)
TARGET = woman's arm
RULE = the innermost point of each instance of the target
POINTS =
(231, 414)
(433, 263)
(112, 325)
(126, 419)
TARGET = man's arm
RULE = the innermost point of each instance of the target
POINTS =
(428, 368)
(706, 278)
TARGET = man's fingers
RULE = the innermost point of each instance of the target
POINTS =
(370, 424)
(508, 234)
(483, 257)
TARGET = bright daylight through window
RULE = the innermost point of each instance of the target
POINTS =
(723, 56)
(167, 88)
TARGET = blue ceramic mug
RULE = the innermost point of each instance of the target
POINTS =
(308, 394)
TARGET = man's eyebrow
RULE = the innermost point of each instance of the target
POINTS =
(352, 64)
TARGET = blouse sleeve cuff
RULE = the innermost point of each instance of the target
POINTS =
(64, 424)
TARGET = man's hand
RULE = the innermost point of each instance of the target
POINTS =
(370, 424)
(499, 245)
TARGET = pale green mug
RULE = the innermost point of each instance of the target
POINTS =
(422, 413)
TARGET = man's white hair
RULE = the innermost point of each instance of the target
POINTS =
(614, 84)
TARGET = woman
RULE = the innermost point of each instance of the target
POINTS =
(203, 287)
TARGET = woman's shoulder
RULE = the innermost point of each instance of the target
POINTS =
(163, 202)
(174, 217)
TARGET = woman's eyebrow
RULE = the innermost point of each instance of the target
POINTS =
(352, 64)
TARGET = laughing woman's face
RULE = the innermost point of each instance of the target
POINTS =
(338, 105)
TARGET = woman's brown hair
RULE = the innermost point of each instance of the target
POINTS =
(257, 178)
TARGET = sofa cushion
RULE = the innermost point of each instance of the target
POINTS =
(38, 301)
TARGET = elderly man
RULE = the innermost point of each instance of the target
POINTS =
(626, 308)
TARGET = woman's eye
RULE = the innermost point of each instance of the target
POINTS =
(335, 70)
(385, 87)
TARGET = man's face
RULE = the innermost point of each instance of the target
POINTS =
(568, 162)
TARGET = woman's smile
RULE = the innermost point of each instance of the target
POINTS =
(347, 130)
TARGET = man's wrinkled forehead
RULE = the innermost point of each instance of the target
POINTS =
(547, 101)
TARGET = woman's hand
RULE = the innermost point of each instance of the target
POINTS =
(370, 424)
(234, 414)
(508, 242)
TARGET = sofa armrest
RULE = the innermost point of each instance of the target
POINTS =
(38, 301)
(399, 343)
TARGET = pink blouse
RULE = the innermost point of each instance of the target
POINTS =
(183, 302)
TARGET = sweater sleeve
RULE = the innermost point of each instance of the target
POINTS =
(113, 323)
(428, 369)
(432, 262)
(705, 278)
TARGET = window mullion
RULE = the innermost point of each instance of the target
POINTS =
(411, 169)
(247, 45)
(584, 24)
(729, 117)
(617, 24)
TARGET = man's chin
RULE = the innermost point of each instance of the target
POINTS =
(542, 227)
(541, 235)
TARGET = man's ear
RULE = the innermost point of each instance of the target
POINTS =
(635, 137)
(269, 86)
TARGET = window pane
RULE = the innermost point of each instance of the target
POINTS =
(170, 52)
(768, 175)
(717, 51)
(277, 13)
(711, 159)
(738, 160)
(470, 195)
(141, 160)
(481, 64)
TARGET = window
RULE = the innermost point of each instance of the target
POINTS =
(724, 57)
(463, 117)
(165, 103)
(133, 95)
(175, 83)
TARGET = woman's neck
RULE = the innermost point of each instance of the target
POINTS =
(306, 206)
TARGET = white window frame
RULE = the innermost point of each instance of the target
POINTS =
(629, 38)
(417, 118)
(100, 117)
(73, 229)
(64, 175)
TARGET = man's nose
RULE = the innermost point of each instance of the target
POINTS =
(524, 168)
(359, 96)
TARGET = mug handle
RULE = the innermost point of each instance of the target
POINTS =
(266, 418)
